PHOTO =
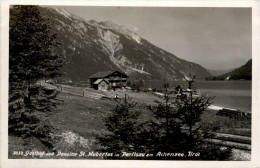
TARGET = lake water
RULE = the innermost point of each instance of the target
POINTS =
(229, 94)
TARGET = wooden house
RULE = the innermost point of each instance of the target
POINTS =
(108, 80)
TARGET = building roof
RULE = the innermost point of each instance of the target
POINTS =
(100, 80)
(103, 74)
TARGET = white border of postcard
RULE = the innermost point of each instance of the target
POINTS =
(55, 163)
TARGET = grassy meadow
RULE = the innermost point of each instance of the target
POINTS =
(78, 120)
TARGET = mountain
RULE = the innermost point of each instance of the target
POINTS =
(90, 47)
(242, 73)
(219, 72)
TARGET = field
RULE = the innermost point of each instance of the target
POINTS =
(78, 120)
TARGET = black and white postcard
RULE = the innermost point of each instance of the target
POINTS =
(129, 84)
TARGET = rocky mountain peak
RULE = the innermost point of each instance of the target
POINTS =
(90, 47)
(121, 29)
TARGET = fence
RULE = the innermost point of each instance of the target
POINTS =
(230, 140)
(79, 92)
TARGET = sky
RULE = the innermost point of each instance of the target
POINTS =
(216, 38)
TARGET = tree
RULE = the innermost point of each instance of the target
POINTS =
(190, 109)
(176, 128)
(122, 128)
(33, 57)
(163, 132)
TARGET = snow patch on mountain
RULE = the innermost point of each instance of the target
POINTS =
(136, 38)
(67, 14)
(63, 12)
(139, 71)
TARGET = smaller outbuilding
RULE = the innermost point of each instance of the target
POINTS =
(101, 84)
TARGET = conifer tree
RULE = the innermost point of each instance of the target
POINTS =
(122, 128)
(33, 56)
(190, 108)
(163, 132)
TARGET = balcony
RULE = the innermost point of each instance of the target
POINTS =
(118, 84)
(117, 79)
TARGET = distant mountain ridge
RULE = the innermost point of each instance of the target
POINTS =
(241, 73)
(244, 72)
(219, 72)
(90, 47)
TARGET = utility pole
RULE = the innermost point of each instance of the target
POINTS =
(125, 98)
(190, 81)
(164, 80)
(166, 86)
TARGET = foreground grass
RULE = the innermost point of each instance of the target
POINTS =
(227, 125)
(80, 119)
